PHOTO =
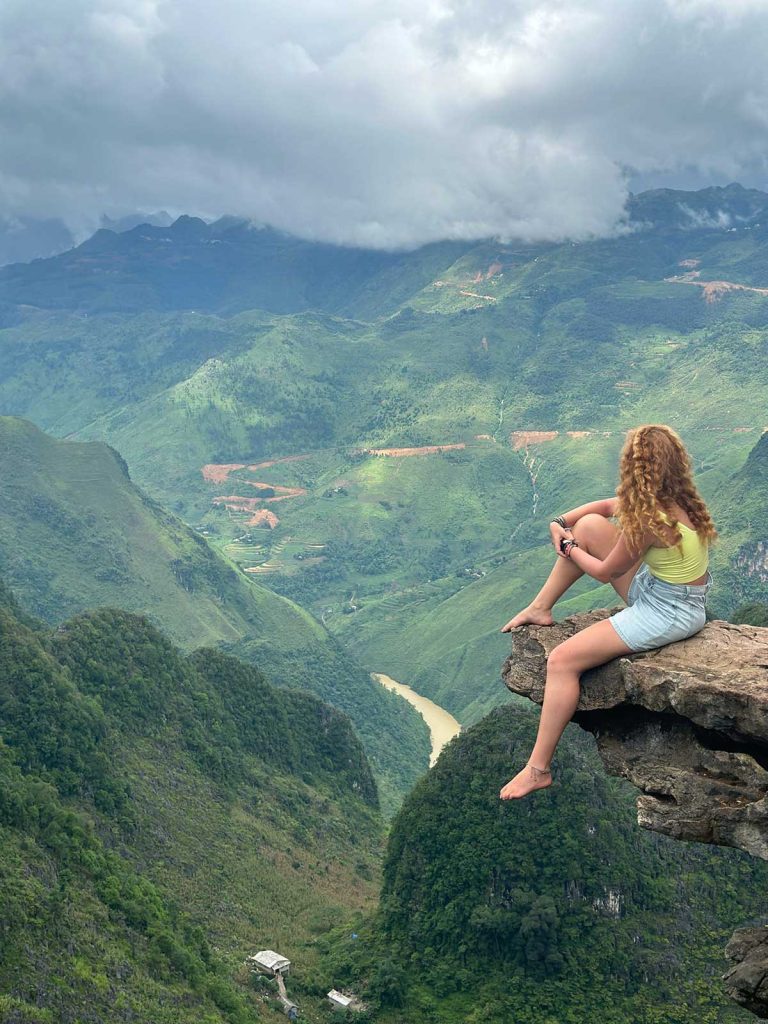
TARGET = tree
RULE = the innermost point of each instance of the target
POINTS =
(387, 985)
(539, 933)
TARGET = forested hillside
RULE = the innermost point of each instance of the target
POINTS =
(75, 533)
(743, 506)
(554, 909)
(162, 817)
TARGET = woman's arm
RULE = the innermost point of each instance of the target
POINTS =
(620, 559)
(604, 507)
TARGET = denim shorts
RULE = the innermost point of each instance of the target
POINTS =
(660, 613)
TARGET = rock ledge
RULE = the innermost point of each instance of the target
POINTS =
(688, 725)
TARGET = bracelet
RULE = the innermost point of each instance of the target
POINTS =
(560, 520)
(568, 546)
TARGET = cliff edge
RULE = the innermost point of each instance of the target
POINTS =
(688, 725)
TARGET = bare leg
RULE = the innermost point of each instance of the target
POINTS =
(597, 535)
(594, 645)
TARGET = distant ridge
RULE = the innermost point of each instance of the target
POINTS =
(232, 264)
(717, 207)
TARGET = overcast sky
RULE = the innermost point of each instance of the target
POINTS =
(378, 123)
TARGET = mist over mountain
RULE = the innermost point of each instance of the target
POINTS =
(27, 238)
(723, 207)
(386, 125)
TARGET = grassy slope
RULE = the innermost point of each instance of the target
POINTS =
(744, 501)
(75, 533)
(69, 507)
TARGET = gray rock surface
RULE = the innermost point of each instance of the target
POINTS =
(747, 980)
(688, 725)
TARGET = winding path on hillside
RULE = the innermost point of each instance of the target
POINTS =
(712, 291)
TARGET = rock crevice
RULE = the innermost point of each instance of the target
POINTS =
(688, 725)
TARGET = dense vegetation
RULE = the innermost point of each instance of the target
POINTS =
(554, 909)
(76, 533)
(196, 344)
(165, 812)
(744, 510)
(118, 754)
(752, 614)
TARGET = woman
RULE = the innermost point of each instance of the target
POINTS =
(657, 560)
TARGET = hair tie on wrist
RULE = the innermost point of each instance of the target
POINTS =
(567, 547)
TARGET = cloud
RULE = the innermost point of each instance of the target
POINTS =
(384, 124)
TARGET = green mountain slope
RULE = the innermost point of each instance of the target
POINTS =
(535, 359)
(162, 817)
(744, 505)
(446, 641)
(75, 533)
(557, 908)
(226, 267)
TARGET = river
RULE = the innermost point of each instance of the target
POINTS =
(442, 725)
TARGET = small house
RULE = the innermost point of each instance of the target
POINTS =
(269, 962)
(338, 1000)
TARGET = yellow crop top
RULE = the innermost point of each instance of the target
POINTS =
(670, 565)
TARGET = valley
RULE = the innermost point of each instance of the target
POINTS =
(386, 460)
(442, 726)
(76, 533)
(248, 483)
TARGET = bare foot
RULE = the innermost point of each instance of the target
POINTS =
(532, 615)
(525, 782)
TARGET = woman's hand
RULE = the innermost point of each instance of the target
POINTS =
(558, 534)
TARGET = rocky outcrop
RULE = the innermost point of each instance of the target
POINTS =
(688, 725)
(747, 980)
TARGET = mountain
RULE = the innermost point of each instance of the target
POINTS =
(745, 507)
(163, 816)
(715, 207)
(557, 908)
(129, 221)
(75, 533)
(381, 437)
(24, 238)
(225, 267)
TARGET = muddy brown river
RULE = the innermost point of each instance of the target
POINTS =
(442, 725)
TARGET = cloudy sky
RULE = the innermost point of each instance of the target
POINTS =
(379, 123)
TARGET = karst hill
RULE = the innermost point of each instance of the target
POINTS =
(688, 725)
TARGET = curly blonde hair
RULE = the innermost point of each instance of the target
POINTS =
(654, 474)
